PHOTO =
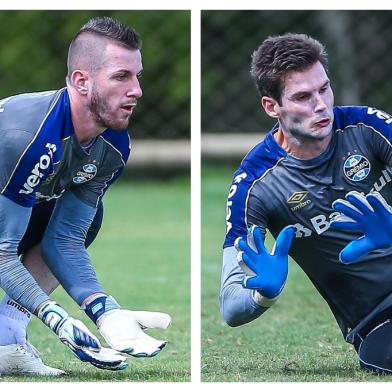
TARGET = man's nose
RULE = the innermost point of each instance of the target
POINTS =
(319, 104)
(135, 90)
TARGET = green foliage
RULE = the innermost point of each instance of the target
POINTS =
(296, 340)
(141, 256)
(34, 53)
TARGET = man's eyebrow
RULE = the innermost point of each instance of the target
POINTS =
(126, 71)
(297, 93)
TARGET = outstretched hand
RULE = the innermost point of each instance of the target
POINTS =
(370, 215)
(124, 329)
(265, 272)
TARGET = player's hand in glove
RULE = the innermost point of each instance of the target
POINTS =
(370, 215)
(124, 329)
(265, 272)
(106, 358)
(73, 333)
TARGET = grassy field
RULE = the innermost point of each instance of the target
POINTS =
(296, 340)
(142, 257)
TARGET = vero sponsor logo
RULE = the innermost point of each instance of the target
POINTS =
(380, 114)
(36, 174)
(232, 192)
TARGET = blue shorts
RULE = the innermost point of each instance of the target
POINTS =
(39, 220)
(375, 350)
(372, 338)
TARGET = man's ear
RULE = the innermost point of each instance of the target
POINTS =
(270, 106)
(80, 81)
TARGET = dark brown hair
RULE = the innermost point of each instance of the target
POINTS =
(278, 55)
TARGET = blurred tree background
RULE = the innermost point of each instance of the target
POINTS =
(359, 44)
(34, 51)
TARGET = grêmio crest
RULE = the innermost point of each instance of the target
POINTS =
(356, 167)
(87, 173)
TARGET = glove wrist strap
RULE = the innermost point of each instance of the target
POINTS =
(263, 301)
(98, 305)
(52, 315)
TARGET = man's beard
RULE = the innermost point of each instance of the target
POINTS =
(298, 130)
(100, 111)
(301, 133)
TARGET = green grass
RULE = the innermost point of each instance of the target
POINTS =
(142, 258)
(296, 340)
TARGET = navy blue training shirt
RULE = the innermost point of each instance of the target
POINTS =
(273, 189)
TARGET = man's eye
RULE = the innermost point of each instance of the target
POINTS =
(121, 77)
(302, 97)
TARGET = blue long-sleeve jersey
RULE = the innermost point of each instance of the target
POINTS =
(41, 159)
(273, 189)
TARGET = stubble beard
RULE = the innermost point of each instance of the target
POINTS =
(100, 111)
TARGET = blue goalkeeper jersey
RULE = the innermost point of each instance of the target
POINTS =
(273, 189)
(41, 157)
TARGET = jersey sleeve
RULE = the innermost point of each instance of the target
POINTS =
(377, 122)
(242, 208)
(381, 124)
(63, 247)
(25, 163)
(29, 146)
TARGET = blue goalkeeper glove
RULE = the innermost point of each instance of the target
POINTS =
(265, 272)
(370, 215)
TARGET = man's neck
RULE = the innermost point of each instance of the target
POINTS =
(302, 148)
(83, 122)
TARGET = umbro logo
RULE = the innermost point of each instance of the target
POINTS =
(298, 198)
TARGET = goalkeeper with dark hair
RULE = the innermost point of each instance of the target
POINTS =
(320, 183)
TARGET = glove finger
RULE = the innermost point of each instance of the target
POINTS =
(354, 250)
(144, 347)
(359, 201)
(251, 282)
(107, 358)
(258, 238)
(347, 209)
(242, 245)
(342, 222)
(152, 319)
(284, 241)
(248, 262)
(379, 204)
(141, 351)
(243, 266)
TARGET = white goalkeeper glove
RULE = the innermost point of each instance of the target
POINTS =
(73, 333)
(123, 329)
(106, 358)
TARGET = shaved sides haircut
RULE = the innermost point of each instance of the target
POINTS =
(87, 48)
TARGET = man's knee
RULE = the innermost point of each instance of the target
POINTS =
(375, 351)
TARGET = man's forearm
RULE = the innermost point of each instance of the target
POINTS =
(63, 247)
(237, 304)
(15, 280)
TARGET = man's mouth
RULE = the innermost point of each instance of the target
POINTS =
(129, 107)
(323, 122)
